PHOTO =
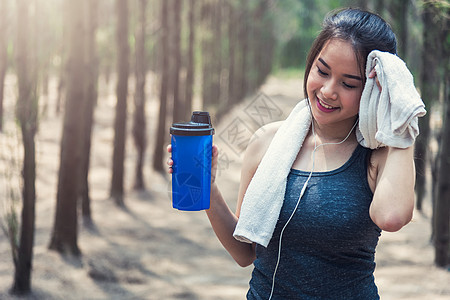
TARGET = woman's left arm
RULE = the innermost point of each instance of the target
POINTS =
(393, 200)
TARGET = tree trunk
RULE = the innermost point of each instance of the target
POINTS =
(379, 7)
(399, 10)
(27, 116)
(91, 65)
(178, 107)
(442, 205)
(60, 97)
(139, 125)
(244, 43)
(262, 32)
(65, 229)
(430, 94)
(190, 61)
(206, 49)
(3, 53)
(216, 45)
(441, 216)
(231, 55)
(403, 24)
(162, 130)
(120, 122)
(60, 92)
(45, 89)
(269, 40)
(363, 4)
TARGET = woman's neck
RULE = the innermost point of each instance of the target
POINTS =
(333, 133)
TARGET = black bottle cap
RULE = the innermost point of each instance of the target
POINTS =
(200, 124)
(201, 117)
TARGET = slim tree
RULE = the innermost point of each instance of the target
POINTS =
(363, 4)
(399, 10)
(441, 213)
(232, 41)
(211, 47)
(91, 66)
(262, 32)
(162, 130)
(139, 122)
(27, 116)
(207, 51)
(267, 40)
(61, 85)
(190, 72)
(178, 107)
(216, 48)
(429, 82)
(243, 37)
(3, 53)
(65, 229)
(379, 7)
(117, 181)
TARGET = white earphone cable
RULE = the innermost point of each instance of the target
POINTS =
(301, 195)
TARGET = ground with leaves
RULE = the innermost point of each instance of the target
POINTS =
(150, 251)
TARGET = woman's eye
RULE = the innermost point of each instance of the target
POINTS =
(321, 72)
(348, 86)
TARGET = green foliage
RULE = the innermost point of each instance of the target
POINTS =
(442, 5)
(297, 25)
(289, 73)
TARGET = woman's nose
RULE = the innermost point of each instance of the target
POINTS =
(328, 90)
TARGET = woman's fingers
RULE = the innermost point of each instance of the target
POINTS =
(214, 162)
(169, 161)
(170, 164)
(373, 74)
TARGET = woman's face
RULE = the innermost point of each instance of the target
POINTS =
(334, 84)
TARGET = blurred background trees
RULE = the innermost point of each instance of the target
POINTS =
(205, 55)
(26, 113)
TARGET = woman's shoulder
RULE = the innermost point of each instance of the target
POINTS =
(259, 143)
(262, 138)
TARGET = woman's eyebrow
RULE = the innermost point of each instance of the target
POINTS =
(324, 63)
(352, 76)
(345, 75)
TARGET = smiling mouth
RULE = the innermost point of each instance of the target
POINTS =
(325, 106)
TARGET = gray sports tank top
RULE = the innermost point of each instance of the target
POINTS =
(328, 247)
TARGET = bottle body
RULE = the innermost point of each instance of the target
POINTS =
(191, 177)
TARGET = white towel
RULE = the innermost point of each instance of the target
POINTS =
(386, 118)
(390, 117)
(265, 193)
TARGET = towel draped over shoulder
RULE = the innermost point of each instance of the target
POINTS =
(386, 118)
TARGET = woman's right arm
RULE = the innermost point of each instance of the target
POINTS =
(223, 222)
(222, 219)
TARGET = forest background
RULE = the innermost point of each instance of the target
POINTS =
(88, 90)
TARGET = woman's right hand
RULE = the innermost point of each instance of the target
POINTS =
(214, 162)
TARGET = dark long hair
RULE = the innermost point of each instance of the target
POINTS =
(364, 30)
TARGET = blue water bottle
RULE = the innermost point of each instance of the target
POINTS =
(191, 155)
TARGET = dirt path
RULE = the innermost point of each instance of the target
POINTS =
(151, 251)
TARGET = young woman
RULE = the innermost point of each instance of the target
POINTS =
(354, 192)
